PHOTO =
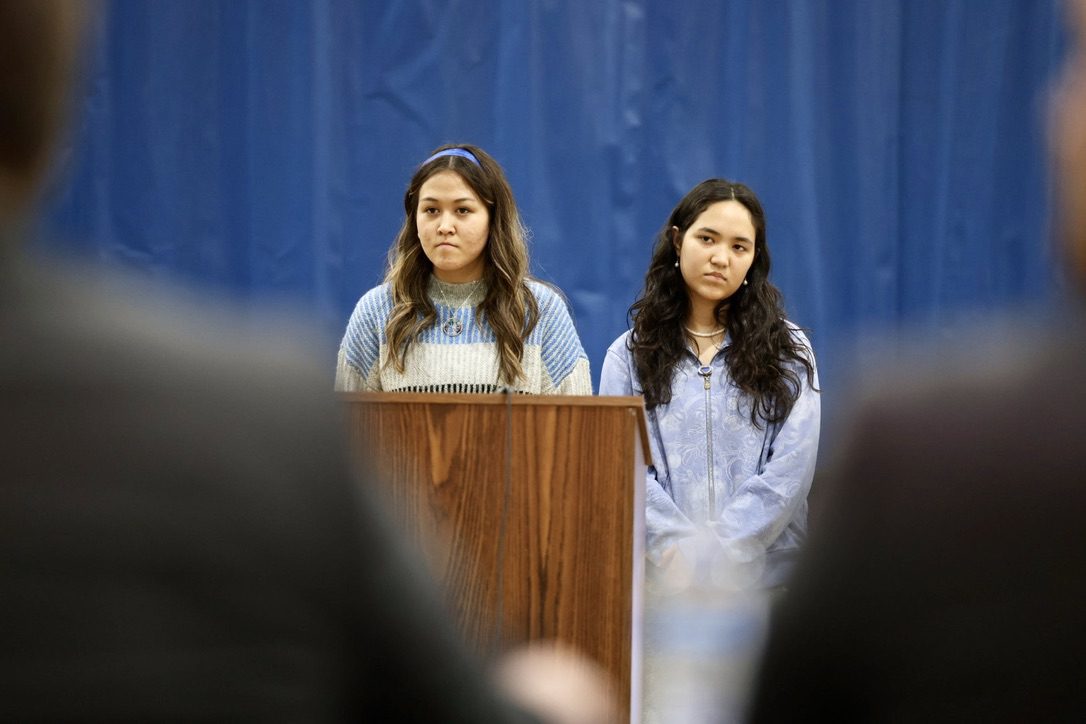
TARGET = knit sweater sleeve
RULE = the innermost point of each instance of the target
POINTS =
(564, 360)
(357, 365)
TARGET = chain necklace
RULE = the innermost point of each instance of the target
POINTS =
(704, 335)
(452, 326)
(712, 345)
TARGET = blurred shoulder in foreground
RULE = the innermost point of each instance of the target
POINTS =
(184, 536)
(947, 569)
(947, 580)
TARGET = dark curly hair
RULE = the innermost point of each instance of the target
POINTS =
(765, 359)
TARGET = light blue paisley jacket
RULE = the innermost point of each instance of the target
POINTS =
(717, 477)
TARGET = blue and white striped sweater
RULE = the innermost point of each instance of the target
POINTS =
(554, 360)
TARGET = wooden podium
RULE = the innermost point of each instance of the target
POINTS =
(530, 510)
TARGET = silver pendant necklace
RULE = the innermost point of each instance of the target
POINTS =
(452, 326)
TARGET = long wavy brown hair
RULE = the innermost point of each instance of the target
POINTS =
(765, 359)
(509, 306)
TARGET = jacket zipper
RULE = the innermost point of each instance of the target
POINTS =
(706, 373)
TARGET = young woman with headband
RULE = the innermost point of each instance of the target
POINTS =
(730, 388)
(457, 311)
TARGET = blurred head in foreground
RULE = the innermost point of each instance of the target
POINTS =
(945, 580)
(184, 536)
(40, 43)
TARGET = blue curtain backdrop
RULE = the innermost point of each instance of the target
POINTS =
(262, 147)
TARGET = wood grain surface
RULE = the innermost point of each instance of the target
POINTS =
(529, 511)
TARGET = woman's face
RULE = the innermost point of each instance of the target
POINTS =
(716, 252)
(453, 224)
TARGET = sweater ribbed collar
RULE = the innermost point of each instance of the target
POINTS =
(456, 295)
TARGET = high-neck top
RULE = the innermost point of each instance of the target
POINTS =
(455, 296)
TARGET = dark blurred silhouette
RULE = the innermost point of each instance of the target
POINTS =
(946, 578)
(182, 534)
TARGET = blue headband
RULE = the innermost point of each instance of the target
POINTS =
(462, 153)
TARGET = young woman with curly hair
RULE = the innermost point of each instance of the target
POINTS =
(730, 388)
(457, 311)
